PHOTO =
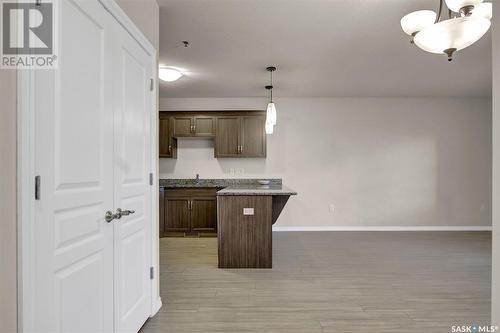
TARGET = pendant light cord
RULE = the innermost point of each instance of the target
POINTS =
(272, 86)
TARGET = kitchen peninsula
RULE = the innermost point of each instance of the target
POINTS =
(240, 211)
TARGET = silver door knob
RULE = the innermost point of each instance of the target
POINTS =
(110, 216)
(121, 212)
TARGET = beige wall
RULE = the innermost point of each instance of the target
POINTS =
(379, 161)
(8, 225)
(496, 165)
(146, 16)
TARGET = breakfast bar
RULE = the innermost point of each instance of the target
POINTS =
(245, 215)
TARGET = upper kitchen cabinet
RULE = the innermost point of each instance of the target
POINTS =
(227, 137)
(240, 136)
(194, 126)
(167, 144)
(253, 136)
(236, 133)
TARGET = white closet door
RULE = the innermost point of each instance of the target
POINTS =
(73, 257)
(132, 105)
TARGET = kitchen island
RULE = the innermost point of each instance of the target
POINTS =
(245, 215)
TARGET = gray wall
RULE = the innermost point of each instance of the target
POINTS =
(385, 162)
(8, 225)
(496, 164)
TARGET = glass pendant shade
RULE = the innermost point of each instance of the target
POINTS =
(457, 33)
(416, 21)
(269, 128)
(455, 5)
(271, 114)
(483, 10)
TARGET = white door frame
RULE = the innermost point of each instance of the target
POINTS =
(26, 176)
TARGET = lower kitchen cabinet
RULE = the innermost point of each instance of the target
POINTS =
(188, 211)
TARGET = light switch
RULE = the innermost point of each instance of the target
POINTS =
(248, 211)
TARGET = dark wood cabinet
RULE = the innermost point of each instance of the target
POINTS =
(194, 126)
(240, 136)
(204, 214)
(253, 136)
(245, 240)
(183, 126)
(189, 211)
(204, 126)
(236, 133)
(227, 140)
(167, 144)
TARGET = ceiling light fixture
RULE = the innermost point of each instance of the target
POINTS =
(271, 108)
(169, 74)
(467, 22)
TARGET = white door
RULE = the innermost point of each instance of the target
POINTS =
(73, 256)
(93, 155)
(132, 105)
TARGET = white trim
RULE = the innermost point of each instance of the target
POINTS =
(384, 228)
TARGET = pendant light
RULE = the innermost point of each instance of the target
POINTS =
(467, 22)
(271, 116)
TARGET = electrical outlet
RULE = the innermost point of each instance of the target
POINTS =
(331, 208)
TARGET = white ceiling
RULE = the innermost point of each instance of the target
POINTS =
(322, 48)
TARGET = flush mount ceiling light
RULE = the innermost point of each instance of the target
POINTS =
(467, 22)
(169, 74)
(271, 107)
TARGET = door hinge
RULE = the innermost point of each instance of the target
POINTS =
(151, 179)
(151, 273)
(152, 84)
(37, 187)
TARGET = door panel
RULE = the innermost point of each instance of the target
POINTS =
(165, 145)
(253, 136)
(132, 107)
(74, 156)
(204, 126)
(177, 215)
(182, 126)
(204, 214)
(227, 136)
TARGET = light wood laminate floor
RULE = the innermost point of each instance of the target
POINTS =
(329, 282)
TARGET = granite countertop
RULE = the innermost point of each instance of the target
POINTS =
(213, 183)
(257, 190)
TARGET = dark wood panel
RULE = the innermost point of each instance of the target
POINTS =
(161, 216)
(227, 136)
(253, 136)
(245, 241)
(191, 192)
(177, 214)
(204, 126)
(204, 214)
(165, 144)
(260, 233)
(183, 126)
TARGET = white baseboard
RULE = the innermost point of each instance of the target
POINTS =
(384, 228)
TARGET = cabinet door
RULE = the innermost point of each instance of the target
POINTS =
(204, 126)
(227, 137)
(183, 126)
(177, 214)
(204, 214)
(165, 145)
(253, 136)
